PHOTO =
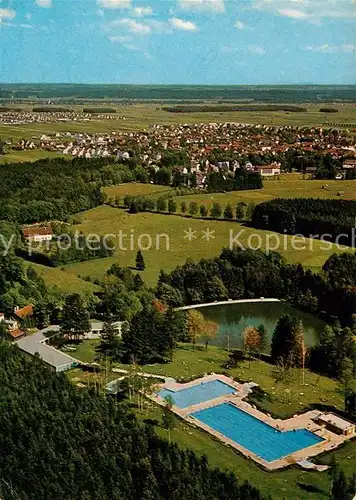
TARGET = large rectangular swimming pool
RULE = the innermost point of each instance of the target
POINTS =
(198, 393)
(253, 434)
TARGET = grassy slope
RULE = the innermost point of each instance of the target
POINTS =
(63, 281)
(105, 220)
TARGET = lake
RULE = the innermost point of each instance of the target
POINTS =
(234, 318)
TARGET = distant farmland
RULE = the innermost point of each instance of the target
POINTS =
(257, 93)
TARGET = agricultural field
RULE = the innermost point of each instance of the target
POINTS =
(140, 116)
(170, 244)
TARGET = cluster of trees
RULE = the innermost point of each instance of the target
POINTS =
(167, 204)
(228, 109)
(19, 285)
(51, 109)
(70, 247)
(328, 110)
(341, 488)
(99, 110)
(241, 180)
(152, 335)
(326, 167)
(53, 189)
(239, 274)
(199, 329)
(104, 452)
(288, 346)
(330, 220)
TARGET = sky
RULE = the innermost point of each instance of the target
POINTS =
(178, 41)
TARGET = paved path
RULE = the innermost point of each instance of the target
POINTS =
(227, 302)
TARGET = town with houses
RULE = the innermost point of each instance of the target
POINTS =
(23, 117)
(260, 147)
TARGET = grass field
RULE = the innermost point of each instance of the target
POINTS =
(141, 116)
(62, 281)
(107, 220)
(30, 155)
(136, 189)
(283, 186)
(318, 390)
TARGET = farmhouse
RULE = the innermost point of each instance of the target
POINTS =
(38, 234)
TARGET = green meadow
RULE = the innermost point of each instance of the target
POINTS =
(170, 246)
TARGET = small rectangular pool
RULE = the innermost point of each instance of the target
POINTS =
(253, 434)
(198, 393)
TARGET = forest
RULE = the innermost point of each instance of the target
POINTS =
(259, 93)
(228, 109)
(330, 220)
(238, 274)
(61, 442)
(54, 189)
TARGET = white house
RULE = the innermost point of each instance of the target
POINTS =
(269, 170)
(38, 234)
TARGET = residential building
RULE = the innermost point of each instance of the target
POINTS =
(38, 234)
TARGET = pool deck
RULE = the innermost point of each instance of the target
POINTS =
(303, 421)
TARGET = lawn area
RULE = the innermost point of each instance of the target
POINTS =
(30, 155)
(188, 363)
(63, 281)
(283, 186)
(85, 351)
(136, 189)
(108, 220)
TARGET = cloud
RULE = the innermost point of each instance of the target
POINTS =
(46, 4)
(142, 11)
(7, 14)
(119, 39)
(256, 49)
(202, 5)
(308, 10)
(180, 24)
(330, 49)
(239, 25)
(133, 26)
(293, 13)
(114, 4)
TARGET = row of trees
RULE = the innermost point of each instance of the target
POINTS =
(167, 204)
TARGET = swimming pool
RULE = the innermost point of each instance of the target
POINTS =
(198, 393)
(253, 434)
